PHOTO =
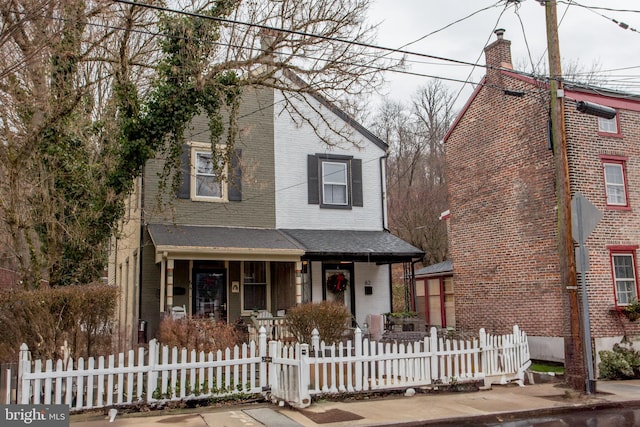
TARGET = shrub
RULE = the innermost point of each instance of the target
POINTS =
(621, 363)
(76, 318)
(330, 318)
(201, 334)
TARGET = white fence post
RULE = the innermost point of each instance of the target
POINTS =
(304, 377)
(262, 353)
(433, 348)
(358, 355)
(152, 374)
(24, 367)
(273, 374)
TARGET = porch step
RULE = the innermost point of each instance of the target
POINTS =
(271, 418)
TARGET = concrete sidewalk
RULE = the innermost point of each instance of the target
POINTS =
(501, 402)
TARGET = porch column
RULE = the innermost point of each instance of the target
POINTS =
(163, 280)
(298, 282)
(169, 283)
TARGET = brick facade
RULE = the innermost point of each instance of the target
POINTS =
(503, 225)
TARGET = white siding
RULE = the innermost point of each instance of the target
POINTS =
(380, 301)
(293, 143)
(377, 303)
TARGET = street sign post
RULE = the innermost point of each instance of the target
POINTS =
(584, 218)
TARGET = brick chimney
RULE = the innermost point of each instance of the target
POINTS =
(498, 53)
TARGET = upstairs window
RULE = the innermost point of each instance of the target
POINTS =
(202, 180)
(608, 125)
(615, 181)
(207, 176)
(610, 128)
(623, 266)
(334, 181)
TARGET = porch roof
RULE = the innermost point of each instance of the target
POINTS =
(440, 269)
(201, 242)
(374, 246)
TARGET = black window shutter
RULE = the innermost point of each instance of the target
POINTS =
(313, 189)
(184, 190)
(235, 178)
(356, 183)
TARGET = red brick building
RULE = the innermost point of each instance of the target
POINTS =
(503, 204)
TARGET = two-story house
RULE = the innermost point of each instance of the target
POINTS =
(292, 219)
(503, 226)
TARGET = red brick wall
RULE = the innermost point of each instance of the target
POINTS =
(503, 212)
(503, 225)
(617, 227)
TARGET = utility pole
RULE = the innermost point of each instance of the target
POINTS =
(573, 351)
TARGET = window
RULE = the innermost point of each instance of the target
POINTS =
(608, 125)
(208, 183)
(334, 181)
(624, 276)
(255, 286)
(615, 180)
(202, 180)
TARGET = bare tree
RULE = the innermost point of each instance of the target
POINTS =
(417, 193)
(90, 90)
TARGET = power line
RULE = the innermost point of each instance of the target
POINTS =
(449, 25)
(620, 24)
(298, 33)
(486, 43)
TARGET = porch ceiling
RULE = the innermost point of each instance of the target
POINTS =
(374, 246)
(225, 243)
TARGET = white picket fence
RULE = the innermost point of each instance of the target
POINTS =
(290, 372)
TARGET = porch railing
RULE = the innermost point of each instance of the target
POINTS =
(275, 326)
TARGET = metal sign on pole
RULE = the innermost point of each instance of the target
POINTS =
(584, 218)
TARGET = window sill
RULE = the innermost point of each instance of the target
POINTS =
(610, 135)
(617, 208)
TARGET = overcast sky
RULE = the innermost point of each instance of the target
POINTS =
(587, 36)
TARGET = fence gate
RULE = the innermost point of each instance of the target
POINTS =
(289, 373)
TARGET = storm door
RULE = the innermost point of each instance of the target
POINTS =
(210, 294)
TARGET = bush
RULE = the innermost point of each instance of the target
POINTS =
(50, 320)
(330, 318)
(621, 363)
(201, 334)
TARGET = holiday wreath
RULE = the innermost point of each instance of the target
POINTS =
(337, 283)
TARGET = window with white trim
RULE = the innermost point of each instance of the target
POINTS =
(624, 276)
(335, 190)
(207, 181)
(615, 182)
(334, 181)
(608, 125)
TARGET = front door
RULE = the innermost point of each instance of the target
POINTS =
(210, 294)
(338, 285)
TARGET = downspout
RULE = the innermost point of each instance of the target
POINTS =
(141, 243)
(383, 211)
(383, 192)
(413, 284)
(390, 287)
